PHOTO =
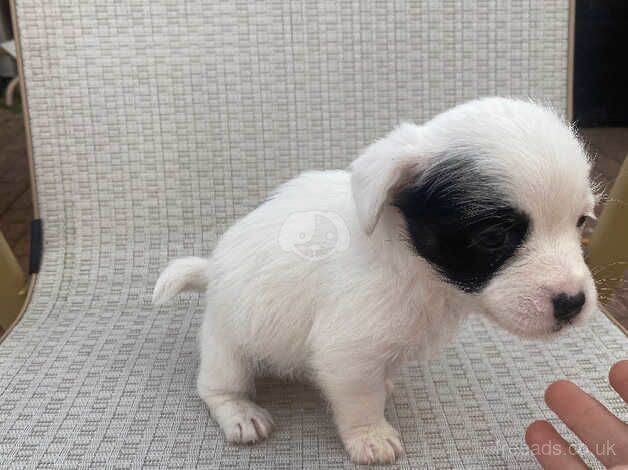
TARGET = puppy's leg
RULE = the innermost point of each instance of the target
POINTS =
(389, 386)
(225, 383)
(358, 407)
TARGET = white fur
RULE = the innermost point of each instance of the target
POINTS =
(190, 273)
(344, 306)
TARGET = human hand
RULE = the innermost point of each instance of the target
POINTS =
(605, 435)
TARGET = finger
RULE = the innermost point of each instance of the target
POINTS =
(618, 377)
(602, 432)
(550, 449)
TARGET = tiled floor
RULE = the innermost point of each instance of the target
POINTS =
(609, 144)
(16, 208)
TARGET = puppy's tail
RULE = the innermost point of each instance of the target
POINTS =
(190, 273)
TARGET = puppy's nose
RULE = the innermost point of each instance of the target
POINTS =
(568, 306)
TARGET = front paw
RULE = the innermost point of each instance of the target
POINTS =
(374, 444)
(242, 421)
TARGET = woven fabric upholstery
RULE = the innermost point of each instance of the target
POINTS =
(156, 123)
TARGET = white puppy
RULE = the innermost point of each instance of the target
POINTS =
(342, 274)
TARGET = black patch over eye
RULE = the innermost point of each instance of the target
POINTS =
(461, 224)
(581, 221)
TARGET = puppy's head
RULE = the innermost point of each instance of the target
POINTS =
(493, 194)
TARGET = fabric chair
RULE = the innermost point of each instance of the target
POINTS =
(156, 123)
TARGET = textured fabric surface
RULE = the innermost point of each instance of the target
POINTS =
(155, 124)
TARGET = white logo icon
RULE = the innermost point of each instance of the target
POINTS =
(314, 235)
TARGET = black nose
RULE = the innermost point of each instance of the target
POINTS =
(568, 306)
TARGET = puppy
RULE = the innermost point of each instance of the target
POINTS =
(340, 275)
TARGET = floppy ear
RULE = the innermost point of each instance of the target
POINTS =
(383, 168)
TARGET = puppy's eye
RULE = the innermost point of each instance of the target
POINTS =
(581, 221)
(492, 239)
